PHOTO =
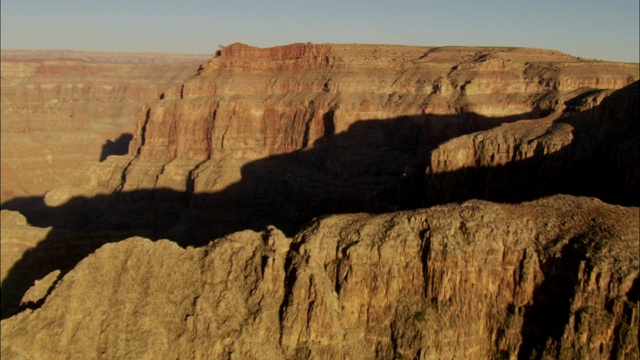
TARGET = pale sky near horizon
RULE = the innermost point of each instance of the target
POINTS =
(599, 29)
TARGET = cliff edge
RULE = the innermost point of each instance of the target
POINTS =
(554, 278)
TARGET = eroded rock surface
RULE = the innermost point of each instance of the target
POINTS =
(590, 148)
(280, 136)
(101, 56)
(554, 278)
(17, 238)
(352, 107)
(62, 108)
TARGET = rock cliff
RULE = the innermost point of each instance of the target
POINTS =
(590, 148)
(230, 192)
(554, 278)
(62, 108)
(344, 128)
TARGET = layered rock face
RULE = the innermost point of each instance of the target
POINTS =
(250, 103)
(62, 108)
(237, 173)
(344, 128)
(554, 278)
(591, 148)
(110, 57)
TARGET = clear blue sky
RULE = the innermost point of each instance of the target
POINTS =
(601, 29)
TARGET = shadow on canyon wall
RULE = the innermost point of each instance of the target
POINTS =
(376, 166)
(119, 146)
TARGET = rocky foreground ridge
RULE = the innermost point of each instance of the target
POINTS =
(554, 278)
(240, 170)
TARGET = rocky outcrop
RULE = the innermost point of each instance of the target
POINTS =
(249, 103)
(17, 239)
(590, 148)
(554, 278)
(277, 137)
(282, 135)
(63, 108)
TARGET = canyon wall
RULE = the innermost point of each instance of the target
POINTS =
(110, 57)
(233, 179)
(344, 128)
(590, 148)
(63, 108)
(556, 278)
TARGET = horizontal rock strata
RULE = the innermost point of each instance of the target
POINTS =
(229, 187)
(63, 108)
(591, 148)
(347, 128)
(249, 103)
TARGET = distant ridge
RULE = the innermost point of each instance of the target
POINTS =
(101, 56)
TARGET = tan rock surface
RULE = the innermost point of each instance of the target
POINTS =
(249, 103)
(31, 254)
(372, 113)
(61, 108)
(101, 56)
(280, 136)
(17, 238)
(347, 128)
(554, 278)
(40, 289)
(590, 148)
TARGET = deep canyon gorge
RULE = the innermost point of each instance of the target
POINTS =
(320, 201)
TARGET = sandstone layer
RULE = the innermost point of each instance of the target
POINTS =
(281, 135)
(62, 108)
(554, 278)
(101, 56)
(590, 148)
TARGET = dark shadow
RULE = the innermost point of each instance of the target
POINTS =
(118, 147)
(602, 160)
(376, 166)
(546, 318)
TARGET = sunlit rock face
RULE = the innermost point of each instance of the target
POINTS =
(63, 108)
(254, 213)
(356, 121)
(553, 278)
(590, 148)
(343, 128)
(281, 135)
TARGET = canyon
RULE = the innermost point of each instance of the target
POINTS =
(63, 108)
(321, 201)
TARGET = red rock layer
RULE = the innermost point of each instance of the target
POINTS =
(248, 104)
(99, 56)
